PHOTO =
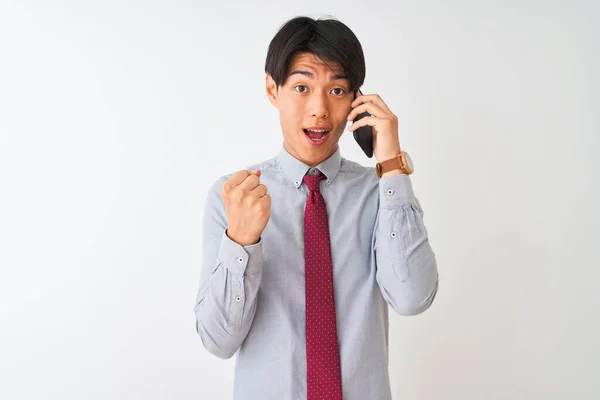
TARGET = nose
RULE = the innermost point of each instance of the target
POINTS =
(318, 105)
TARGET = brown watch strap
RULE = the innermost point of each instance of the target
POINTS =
(390, 165)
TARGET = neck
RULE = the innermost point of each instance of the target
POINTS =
(309, 162)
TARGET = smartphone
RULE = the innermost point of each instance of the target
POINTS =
(364, 134)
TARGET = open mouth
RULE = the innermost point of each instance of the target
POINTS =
(316, 135)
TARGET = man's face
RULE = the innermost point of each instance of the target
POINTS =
(314, 97)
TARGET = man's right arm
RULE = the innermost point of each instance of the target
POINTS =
(229, 282)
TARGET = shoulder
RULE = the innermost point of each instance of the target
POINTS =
(355, 171)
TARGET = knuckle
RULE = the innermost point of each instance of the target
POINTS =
(248, 200)
(236, 195)
(239, 176)
(264, 209)
(236, 176)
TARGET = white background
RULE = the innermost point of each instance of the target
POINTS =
(116, 116)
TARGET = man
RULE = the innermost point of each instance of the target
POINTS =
(303, 253)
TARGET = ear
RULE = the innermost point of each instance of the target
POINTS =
(271, 88)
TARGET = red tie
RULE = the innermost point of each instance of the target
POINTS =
(323, 380)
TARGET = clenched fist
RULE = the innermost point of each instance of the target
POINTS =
(247, 205)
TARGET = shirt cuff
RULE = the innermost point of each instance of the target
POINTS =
(395, 191)
(241, 260)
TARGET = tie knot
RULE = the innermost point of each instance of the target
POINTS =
(313, 181)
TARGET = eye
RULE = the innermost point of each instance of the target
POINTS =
(339, 92)
(301, 89)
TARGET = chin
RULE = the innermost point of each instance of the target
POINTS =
(317, 155)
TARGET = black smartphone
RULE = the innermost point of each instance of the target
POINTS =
(364, 134)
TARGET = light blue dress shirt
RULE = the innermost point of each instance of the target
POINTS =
(251, 299)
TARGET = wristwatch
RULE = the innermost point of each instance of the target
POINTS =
(402, 162)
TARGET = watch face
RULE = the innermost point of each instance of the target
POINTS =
(409, 161)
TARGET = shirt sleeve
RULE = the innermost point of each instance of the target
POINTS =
(229, 281)
(406, 266)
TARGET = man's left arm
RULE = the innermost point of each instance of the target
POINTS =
(406, 266)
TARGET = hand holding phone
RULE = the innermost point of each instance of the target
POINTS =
(364, 134)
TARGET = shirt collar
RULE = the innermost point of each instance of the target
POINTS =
(296, 169)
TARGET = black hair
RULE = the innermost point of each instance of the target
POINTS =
(328, 39)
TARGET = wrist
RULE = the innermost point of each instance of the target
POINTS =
(392, 173)
(390, 151)
(242, 241)
(396, 165)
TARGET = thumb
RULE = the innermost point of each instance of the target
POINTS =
(256, 172)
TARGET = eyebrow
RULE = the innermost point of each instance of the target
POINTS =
(310, 75)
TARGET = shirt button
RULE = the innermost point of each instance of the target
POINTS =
(240, 260)
(297, 183)
(393, 234)
(238, 298)
(312, 172)
(390, 192)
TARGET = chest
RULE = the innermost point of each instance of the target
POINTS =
(351, 220)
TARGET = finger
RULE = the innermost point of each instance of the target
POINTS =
(251, 182)
(373, 98)
(371, 121)
(258, 191)
(237, 178)
(267, 199)
(364, 98)
(369, 107)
